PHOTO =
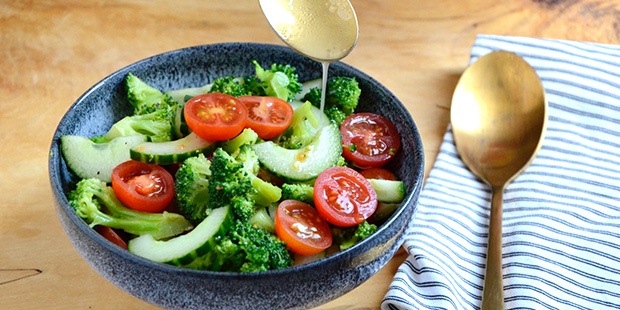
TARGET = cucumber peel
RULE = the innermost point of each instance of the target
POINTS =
(165, 153)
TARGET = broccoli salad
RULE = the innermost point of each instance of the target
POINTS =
(244, 174)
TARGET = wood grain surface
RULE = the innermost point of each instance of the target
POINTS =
(53, 51)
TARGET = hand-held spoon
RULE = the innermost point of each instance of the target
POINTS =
(498, 116)
(323, 30)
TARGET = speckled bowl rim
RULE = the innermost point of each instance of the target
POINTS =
(347, 255)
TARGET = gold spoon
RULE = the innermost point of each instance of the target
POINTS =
(323, 30)
(498, 116)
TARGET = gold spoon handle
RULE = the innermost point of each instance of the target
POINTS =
(493, 291)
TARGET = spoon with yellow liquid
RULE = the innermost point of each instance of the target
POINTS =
(498, 116)
(323, 30)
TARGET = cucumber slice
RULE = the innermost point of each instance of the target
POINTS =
(305, 163)
(179, 127)
(388, 190)
(88, 159)
(188, 250)
(165, 153)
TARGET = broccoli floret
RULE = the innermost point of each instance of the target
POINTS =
(342, 162)
(336, 115)
(298, 191)
(202, 185)
(157, 126)
(246, 155)
(364, 230)
(231, 184)
(349, 236)
(94, 201)
(228, 85)
(266, 193)
(302, 129)
(246, 248)
(245, 86)
(148, 100)
(243, 207)
(341, 99)
(314, 96)
(145, 98)
(192, 188)
(343, 92)
(279, 81)
(225, 256)
(253, 86)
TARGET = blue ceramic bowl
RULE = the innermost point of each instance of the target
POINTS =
(302, 286)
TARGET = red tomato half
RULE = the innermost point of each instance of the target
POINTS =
(344, 197)
(215, 116)
(378, 173)
(302, 229)
(111, 235)
(267, 116)
(142, 186)
(369, 140)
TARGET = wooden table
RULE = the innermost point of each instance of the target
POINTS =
(53, 51)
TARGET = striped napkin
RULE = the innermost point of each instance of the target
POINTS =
(561, 227)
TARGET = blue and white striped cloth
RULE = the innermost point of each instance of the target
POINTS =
(561, 227)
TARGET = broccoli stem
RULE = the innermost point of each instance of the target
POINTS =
(135, 226)
(266, 193)
(96, 203)
(247, 136)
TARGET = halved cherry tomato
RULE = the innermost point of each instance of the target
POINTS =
(267, 116)
(142, 186)
(378, 173)
(343, 197)
(215, 116)
(111, 235)
(302, 229)
(369, 140)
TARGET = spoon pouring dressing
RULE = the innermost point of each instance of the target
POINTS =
(323, 30)
(498, 117)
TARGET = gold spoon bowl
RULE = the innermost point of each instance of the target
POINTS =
(323, 30)
(498, 117)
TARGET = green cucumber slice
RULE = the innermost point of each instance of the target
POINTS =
(88, 159)
(165, 153)
(389, 191)
(305, 163)
(188, 250)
